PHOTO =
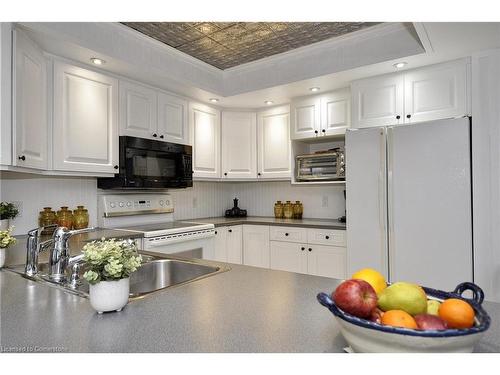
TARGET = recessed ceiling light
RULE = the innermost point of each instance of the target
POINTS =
(214, 100)
(268, 102)
(314, 89)
(97, 61)
(399, 65)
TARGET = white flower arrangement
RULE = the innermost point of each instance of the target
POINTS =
(110, 260)
(6, 238)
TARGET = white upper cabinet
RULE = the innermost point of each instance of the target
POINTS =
(239, 145)
(305, 117)
(85, 120)
(335, 112)
(321, 115)
(430, 93)
(204, 124)
(436, 92)
(377, 101)
(172, 118)
(273, 128)
(138, 114)
(30, 125)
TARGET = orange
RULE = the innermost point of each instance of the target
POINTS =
(399, 318)
(457, 313)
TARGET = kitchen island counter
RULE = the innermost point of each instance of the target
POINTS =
(246, 309)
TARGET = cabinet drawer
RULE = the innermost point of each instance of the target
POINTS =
(288, 234)
(326, 237)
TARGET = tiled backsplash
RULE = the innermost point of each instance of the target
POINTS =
(204, 199)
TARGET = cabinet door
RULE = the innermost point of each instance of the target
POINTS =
(436, 92)
(205, 137)
(288, 256)
(335, 112)
(220, 252)
(377, 101)
(256, 245)
(137, 110)
(172, 119)
(239, 145)
(306, 118)
(327, 261)
(30, 128)
(234, 244)
(85, 120)
(273, 129)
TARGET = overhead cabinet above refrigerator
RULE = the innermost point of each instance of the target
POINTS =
(409, 202)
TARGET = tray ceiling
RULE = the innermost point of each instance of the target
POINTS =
(228, 44)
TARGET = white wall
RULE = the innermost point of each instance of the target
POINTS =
(204, 199)
(259, 197)
(36, 192)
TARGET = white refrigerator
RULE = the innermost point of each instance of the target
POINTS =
(408, 202)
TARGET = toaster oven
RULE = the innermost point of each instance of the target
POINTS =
(323, 166)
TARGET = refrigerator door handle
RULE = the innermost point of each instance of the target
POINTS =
(382, 197)
(390, 200)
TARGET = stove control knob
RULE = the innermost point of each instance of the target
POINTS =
(161, 202)
(121, 204)
(167, 203)
(129, 204)
(112, 205)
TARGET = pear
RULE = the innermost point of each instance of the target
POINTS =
(403, 296)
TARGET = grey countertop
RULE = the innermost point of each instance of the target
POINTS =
(246, 309)
(267, 220)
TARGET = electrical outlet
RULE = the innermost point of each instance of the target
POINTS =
(195, 202)
(19, 206)
(324, 201)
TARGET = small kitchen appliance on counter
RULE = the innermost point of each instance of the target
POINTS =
(235, 211)
(321, 166)
(152, 215)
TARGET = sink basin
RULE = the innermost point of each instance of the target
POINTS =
(157, 272)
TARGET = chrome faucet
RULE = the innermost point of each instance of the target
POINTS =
(34, 247)
(60, 258)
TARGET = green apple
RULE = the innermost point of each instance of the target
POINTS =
(433, 307)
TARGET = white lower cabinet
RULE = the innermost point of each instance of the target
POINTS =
(327, 261)
(288, 256)
(256, 246)
(85, 132)
(229, 244)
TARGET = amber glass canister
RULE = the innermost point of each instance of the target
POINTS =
(288, 210)
(80, 218)
(298, 209)
(65, 217)
(278, 210)
(45, 218)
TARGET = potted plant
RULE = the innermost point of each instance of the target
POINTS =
(6, 240)
(7, 211)
(110, 263)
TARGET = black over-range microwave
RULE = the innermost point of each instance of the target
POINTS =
(148, 164)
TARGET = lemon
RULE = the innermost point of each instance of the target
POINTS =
(372, 277)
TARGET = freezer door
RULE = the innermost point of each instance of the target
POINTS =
(365, 153)
(429, 203)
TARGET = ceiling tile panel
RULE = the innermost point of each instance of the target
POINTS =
(228, 44)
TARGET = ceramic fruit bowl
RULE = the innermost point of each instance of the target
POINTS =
(364, 336)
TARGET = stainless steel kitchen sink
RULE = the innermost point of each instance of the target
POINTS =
(157, 272)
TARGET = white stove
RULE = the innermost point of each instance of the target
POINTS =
(152, 215)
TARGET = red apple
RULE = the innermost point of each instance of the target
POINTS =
(355, 297)
(430, 322)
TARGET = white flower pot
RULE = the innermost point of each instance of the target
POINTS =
(4, 224)
(109, 295)
(2, 257)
